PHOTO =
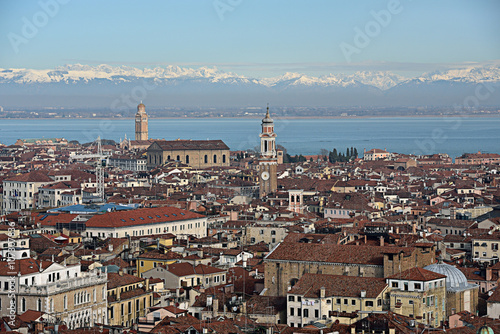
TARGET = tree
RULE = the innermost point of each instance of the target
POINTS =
(324, 152)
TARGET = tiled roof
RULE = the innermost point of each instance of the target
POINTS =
(185, 269)
(156, 255)
(141, 217)
(417, 274)
(116, 280)
(169, 145)
(24, 266)
(35, 176)
(331, 253)
(309, 285)
(52, 219)
(495, 297)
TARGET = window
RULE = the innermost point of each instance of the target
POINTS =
(187, 159)
(142, 263)
(291, 311)
(206, 159)
(316, 313)
(346, 302)
(299, 312)
(299, 298)
(111, 312)
(395, 284)
(417, 286)
(494, 246)
(369, 303)
(215, 159)
(291, 298)
(223, 158)
(306, 313)
(353, 302)
(337, 301)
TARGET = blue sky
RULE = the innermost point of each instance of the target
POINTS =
(250, 37)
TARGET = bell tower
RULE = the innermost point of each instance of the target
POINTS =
(141, 123)
(268, 161)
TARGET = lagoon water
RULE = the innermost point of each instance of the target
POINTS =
(417, 135)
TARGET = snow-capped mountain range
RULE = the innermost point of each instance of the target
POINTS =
(368, 87)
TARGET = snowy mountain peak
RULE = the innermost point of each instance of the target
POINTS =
(384, 80)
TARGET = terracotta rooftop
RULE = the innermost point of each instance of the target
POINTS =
(417, 274)
(141, 217)
(169, 145)
(310, 286)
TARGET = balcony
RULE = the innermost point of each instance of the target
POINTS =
(89, 279)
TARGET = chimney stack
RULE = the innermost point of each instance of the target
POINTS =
(489, 273)
(381, 241)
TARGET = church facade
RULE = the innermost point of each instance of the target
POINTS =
(194, 153)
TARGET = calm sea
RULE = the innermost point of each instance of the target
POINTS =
(299, 136)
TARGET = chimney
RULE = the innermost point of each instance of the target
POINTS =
(120, 272)
(489, 274)
(322, 292)
(414, 228)
(110, 247)
(146, 284)
(381, 241)
(215, 308)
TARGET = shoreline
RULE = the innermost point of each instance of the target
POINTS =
(258, 117)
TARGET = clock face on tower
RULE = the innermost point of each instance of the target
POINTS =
(264, 176)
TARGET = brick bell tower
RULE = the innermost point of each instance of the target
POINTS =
(268, 161)
(141, 123)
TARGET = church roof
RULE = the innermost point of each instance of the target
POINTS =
(455, 279)
(193, 145)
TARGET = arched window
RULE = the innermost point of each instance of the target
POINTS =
(39, 304)
(223, 158)
(178, 158)
(206, 159)
(215, 158)
(168, 157)
(23, 304)
(265, 145)
(187, 159)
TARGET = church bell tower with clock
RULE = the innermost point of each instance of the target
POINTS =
(268, 162)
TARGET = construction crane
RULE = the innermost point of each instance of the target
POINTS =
(101, 163)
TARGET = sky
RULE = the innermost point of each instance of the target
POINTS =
(252, 37)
